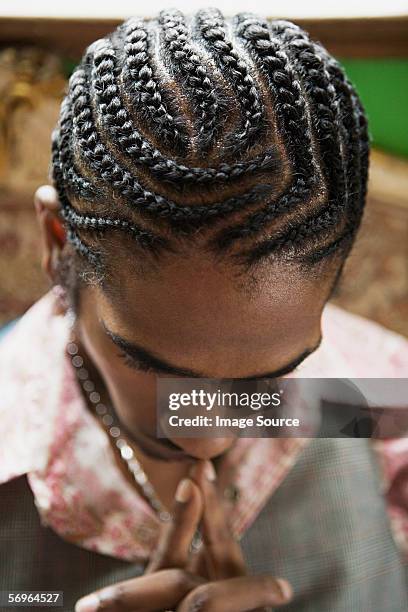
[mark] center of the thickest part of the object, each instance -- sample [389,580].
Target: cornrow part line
[355,139]
[114,115]
[88,221]
[342,242]
[211,27]
[186,60]
[100,161]
[58,141]
[79,186]
[365,152]
[144,88]
[356,128]
[310,231]
[325,108]
[82,248]
[57,175]
[292,117]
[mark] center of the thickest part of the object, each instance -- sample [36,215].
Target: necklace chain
[111,425]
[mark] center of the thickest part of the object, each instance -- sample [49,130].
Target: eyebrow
[149,359]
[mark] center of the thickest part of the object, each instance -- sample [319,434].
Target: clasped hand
[214,579]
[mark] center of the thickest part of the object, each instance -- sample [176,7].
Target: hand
[229,589]
[166,581]
[171,581]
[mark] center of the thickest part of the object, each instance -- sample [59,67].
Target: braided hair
[241,131]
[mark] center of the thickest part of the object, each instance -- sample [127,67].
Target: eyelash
[131,362]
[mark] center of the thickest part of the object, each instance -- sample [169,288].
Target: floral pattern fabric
[48,433]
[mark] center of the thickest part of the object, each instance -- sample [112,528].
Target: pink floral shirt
[48,433]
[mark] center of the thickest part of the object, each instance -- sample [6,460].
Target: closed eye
[138,365]
[141,359]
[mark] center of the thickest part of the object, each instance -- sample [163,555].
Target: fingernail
[210,471]
[194,469]
[184,490]
[107,594]
[285,588]
[90,603]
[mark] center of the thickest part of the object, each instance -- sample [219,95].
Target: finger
[160,591]
[198,564]
[174,546]
[224,554]
[239,594]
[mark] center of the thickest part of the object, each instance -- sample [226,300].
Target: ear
[47,208]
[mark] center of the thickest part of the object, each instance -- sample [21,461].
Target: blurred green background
[383,87]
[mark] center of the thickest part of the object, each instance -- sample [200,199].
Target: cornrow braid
[74,219]
[334,143]
[139,150]
[155,94]
[187,62]
[296,235]
[323,100]
[63,160]
[93,258]
[88,221]
[85,221]
[101,161]
[356,140]
[350,130]
[60,149]
[322,95]
[352,126]
[211,25]
[293,122]
[62,154]
[144,88]
[365,153]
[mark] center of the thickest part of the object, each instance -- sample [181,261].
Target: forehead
[196,309]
